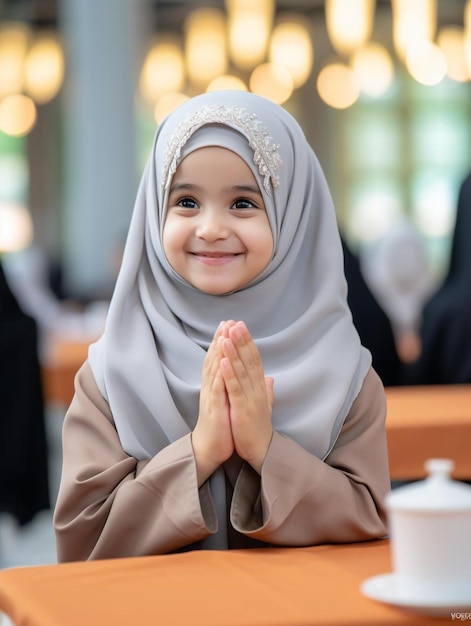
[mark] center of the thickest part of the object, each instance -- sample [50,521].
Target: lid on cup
[437,493]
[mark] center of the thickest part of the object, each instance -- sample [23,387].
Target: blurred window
[406,153]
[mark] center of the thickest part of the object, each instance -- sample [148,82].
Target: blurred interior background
[382,89]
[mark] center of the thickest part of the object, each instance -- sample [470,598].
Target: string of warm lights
[241,47]
[246,46]
[31,74]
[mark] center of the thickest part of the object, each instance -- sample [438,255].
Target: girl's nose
[211,226]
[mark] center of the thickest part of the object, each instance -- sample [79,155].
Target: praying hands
[235,403]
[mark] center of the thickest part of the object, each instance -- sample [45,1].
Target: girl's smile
[215,258]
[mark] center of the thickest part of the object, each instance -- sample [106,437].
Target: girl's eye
[243,203]
[186,203]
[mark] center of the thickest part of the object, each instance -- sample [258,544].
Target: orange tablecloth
[59,367]
[267,587]
[425,422]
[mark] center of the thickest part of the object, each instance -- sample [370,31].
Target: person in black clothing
[446,327]
[371,322]
[24,485]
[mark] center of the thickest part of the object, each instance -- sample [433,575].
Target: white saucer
[384,588]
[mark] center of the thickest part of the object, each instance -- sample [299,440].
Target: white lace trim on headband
[266,152]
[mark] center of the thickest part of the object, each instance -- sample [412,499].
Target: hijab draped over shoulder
[149,360]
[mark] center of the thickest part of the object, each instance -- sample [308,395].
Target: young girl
[229,403]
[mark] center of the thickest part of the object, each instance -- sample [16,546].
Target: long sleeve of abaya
[300,500]
[111,505]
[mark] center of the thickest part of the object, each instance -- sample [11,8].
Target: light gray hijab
[148,362]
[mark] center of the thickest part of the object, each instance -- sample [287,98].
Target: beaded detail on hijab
[266,152]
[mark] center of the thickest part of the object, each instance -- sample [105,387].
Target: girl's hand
[249,395]
[212,437]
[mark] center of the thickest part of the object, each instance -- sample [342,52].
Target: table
[425,422]
[263,587]
[59,366]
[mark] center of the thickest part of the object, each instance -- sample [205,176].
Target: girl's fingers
[269,384]
[226,328]
[213,355]
[249,394]
[232,382]
[245,344]
[245,358]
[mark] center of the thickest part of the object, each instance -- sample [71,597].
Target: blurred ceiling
[169,14]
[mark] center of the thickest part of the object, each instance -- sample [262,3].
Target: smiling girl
[229,402]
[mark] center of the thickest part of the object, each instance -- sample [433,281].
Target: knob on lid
[437,493]
[439,467]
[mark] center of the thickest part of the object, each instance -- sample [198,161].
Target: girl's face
[216,233]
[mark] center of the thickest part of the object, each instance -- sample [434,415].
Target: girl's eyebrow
[247,188]
[183,186]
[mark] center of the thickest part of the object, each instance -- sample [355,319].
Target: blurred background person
[371,322]
[27,272]
[30,275]
[24,488]
[398,272]
[446,325]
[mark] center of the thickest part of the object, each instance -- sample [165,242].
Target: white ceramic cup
[430,530]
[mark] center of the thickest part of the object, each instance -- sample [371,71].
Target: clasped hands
[236,402]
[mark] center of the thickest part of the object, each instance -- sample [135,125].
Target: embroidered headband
[266,152]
